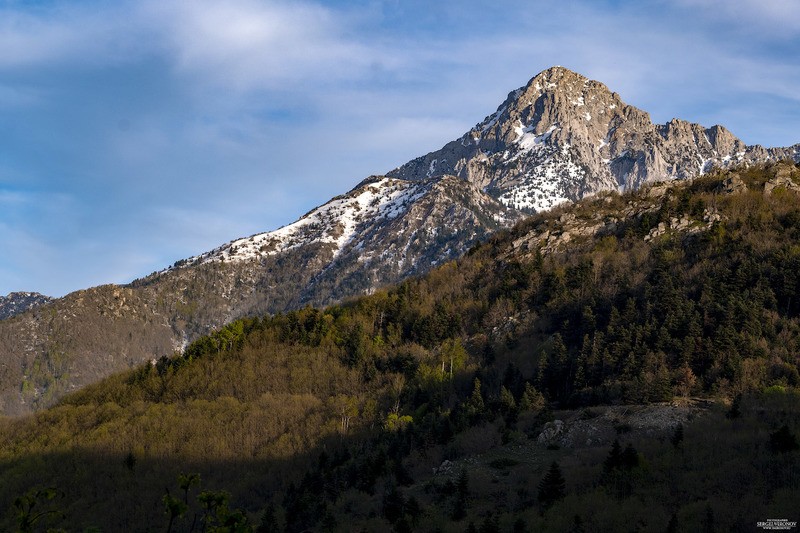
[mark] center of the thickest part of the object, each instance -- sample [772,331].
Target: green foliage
[477,353]
[35,507]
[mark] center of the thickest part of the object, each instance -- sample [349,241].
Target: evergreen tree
[614,459]
[491,524]
[672,526]
[629,458]
[474,406]
[462,496]
[677,436]
[552,487]
[269,521]
[532,400]
[507,402]
[577,525]
[783,440]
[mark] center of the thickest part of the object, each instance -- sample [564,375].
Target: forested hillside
[341,419]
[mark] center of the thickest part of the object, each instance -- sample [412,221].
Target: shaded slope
[673,291]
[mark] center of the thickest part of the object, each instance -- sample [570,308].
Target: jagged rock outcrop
[19,302]
[563,136]
[786,177]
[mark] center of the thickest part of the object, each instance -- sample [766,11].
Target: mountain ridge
[544,146]
[18,302]
[580,138]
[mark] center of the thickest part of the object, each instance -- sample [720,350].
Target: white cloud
[243,44]
[70,33]
[781,18]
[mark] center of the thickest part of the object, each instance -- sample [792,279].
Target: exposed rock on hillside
[19,302]
[563,136]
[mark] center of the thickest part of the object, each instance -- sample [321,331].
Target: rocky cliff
[564,136]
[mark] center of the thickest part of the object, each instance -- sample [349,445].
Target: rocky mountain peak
[563,136]
[556,106]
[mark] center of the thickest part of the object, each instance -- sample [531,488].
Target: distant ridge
[19,302]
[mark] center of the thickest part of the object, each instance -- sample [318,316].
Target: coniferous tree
[490,524]
[577,525]
[629,458]
[783,440]
[474,406]
[677,436]
[269,521]
[532,400]
[552,487]
[672,525]
[614,459]
[462,496]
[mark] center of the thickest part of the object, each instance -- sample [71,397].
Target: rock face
[559,138]
[563,136]
[785,178]
[382,231]
[19,302]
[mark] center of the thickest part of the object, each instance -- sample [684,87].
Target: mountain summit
[563,136]
[559,138]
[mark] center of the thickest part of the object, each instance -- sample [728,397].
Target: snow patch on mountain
[527,139]
[546,184]
[334,223]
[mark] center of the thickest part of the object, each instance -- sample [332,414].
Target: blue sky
[137,133]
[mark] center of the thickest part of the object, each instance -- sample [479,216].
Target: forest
[422,407]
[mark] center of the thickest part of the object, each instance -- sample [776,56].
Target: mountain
[382,231]
[19,302]
[559,138]
[639,342]
[564,136]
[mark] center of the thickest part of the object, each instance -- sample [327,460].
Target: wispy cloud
[245,45]
[77,33]
[781,18]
